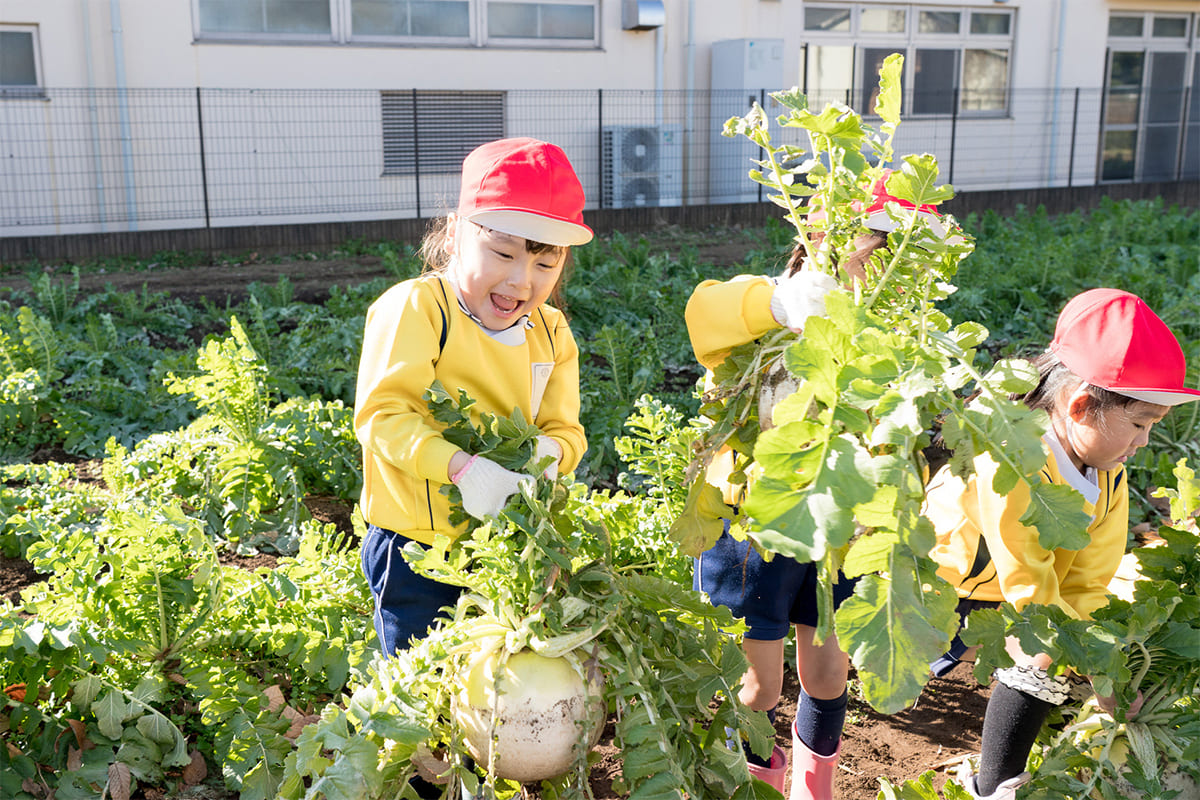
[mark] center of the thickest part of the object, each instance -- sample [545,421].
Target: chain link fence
[88,160]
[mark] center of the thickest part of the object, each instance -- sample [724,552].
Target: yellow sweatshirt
[721,315]
[405,458]
[988,555]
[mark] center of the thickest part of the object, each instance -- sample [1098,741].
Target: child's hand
[486,486]
[548,447]
[799,296]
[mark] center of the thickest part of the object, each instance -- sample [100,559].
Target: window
[416,138]
[19,60]
[952,54]
[469,23]
[1151,125]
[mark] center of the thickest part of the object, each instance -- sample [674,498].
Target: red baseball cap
[877,215]
[524,188]
[1113,340]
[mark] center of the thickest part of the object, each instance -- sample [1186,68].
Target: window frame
[1147,45]
[341,31]
[912,40]
[26,91]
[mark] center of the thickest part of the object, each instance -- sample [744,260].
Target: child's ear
[450,240]
[1079,403]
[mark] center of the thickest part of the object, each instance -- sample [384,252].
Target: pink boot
[774,774]
[812,775]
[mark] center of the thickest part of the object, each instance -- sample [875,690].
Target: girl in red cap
[477,320]
[1112,371]
[775,596]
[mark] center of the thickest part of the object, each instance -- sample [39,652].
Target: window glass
[987,23]
[882,20]
[1124,26]
[17,64]
[829,73]
[827,19]
[433,18]
[1160,145]
[540,21]
[568,22]
[985,80]
[1169,27]
[450,18]
[939,21]
[264,16]
[1124,88]
[1118,155]
[1164,98]
[934,74]
[512,20]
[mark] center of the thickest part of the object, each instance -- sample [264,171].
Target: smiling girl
[1111,372]
[477,320]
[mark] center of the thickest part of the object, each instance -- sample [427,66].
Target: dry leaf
[74,759]
[118,781]
[429,766]
[80,731]
[274,697]
[16,692]
[175,677]
[196,771]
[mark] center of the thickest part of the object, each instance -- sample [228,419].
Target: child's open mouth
[505,305]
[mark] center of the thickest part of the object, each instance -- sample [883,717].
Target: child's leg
[1010,727]
[406,603]
[762,683]
[821,709]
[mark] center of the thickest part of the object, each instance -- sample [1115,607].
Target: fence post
[762,102]
[600,141]
[1183,133]
[203,163]
[953,133]
[416,153]
[1074,133]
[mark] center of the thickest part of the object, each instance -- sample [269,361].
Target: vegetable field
[181,594]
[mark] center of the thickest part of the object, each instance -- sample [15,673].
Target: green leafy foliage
[542,576]
[839,477]
[1146,647]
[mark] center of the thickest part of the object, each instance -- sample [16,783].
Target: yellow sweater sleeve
[558,416]
[985,551]
[400,349]
[721,315]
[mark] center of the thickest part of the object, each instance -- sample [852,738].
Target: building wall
[134,159]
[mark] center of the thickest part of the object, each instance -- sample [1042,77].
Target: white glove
[548,447]
[486,486]
[799,296]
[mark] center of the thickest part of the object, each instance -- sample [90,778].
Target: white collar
[1087,483]
[513,335]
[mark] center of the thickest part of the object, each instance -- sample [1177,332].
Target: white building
[136,114]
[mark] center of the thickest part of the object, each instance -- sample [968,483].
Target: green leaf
[1056,511]
[700,524]
[111,711]
[891,644]
[887,102]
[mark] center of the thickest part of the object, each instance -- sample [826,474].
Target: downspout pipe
[660,43]
[123,114]
[689,111]
[97,162]
[1056,91]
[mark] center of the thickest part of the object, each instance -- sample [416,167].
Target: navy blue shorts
[406,603]
[770,595]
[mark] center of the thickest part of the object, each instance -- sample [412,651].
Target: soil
[943,726]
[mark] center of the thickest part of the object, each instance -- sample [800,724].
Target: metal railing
[86,160]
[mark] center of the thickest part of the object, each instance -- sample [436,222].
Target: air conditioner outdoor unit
[642,166]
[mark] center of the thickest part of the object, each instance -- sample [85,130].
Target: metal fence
[88,160]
